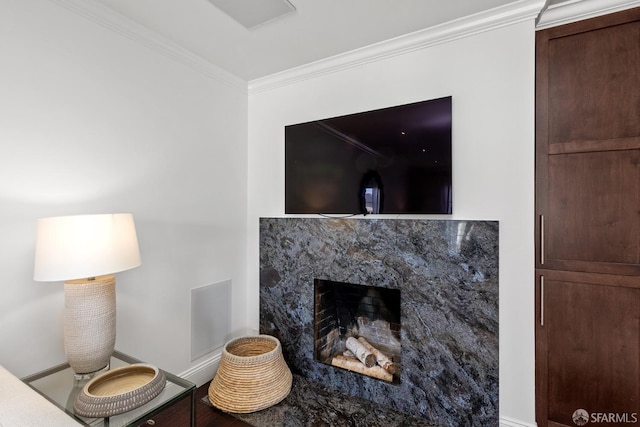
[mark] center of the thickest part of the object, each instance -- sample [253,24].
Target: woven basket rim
[250,340]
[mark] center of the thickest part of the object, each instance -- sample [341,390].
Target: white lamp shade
[81,246]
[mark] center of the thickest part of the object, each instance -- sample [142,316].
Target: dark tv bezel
[410,109]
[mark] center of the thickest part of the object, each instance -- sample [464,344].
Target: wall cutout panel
[210,318]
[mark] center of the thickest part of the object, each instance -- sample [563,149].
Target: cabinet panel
[589,328]
[595,96]
[179,413]
[593,213]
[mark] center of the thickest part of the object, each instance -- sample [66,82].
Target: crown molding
[502,16]
[577,10]
[116,22]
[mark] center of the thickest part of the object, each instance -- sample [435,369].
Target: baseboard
[510,422]
[203,372]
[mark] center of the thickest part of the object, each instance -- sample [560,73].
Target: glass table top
[60,385]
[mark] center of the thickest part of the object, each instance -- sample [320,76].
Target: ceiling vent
[252,13]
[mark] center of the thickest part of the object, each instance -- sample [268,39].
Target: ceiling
[317,29]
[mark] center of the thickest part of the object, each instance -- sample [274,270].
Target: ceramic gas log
[363,358]
[381,359]
[361,352]
[354,365]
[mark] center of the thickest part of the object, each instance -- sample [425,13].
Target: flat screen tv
[395,160]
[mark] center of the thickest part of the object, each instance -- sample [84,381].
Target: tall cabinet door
[588,348]
[588,145]
[588,228]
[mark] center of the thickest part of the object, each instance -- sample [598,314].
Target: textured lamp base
[90,323]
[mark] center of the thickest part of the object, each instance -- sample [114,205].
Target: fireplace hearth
[446,273]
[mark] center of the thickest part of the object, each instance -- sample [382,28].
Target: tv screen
[395,160]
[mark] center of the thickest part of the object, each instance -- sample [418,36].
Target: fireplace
[357,328]
[446,276]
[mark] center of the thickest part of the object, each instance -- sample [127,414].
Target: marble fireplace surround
[447,271]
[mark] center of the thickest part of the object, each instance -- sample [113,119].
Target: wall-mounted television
[394,160]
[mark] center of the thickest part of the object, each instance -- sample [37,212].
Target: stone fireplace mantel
[447,271]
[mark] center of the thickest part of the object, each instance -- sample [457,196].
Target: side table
[60,386]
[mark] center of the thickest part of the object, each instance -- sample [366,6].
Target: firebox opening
[357,327]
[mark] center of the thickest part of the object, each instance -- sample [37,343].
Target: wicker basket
[252,375]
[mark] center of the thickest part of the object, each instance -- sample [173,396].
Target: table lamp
[84,251]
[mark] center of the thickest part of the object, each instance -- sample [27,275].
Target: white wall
[93,122]
[491,78]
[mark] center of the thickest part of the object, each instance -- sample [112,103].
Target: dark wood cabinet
[588,145]
[588,229]
[588,345]
[179,413]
